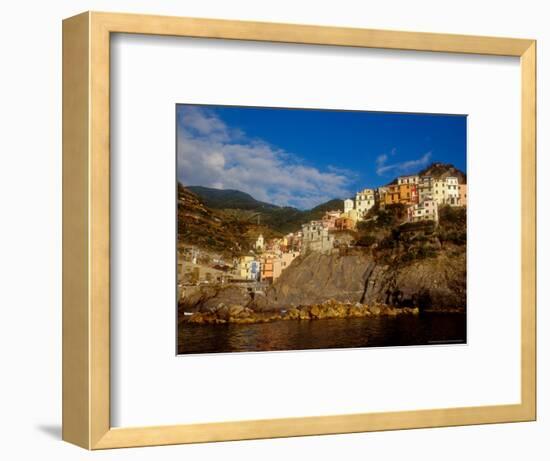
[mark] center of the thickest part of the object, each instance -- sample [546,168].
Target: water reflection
[323,334]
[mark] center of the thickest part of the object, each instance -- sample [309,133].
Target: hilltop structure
[421,194]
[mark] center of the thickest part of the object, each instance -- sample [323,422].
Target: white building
[446,191]
[364,201]
[426,210]
[425,188]
[439,191]
[414,179]
[316,237]
[348,205]
[260,244]
[453,191]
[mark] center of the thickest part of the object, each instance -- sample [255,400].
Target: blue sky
[301,157]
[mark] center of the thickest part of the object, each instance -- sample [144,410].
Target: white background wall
[30,232]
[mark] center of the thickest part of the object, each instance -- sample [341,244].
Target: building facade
[329,219]
[453,194]
[248,268]
[462,194]
[348,205]
[345,223]
[425,188]
[364,201]
[392,195]
[403,180]
[271,267]
[316,237]
[446,191]
[423,211]
[260,243]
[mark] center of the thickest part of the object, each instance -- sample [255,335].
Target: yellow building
[248,268]
[392,195]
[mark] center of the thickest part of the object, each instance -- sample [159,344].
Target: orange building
[345,223]
[408,193]
[392,194]
[462,194]
[270,267]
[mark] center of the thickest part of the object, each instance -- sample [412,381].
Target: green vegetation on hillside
[391,239]
[279,219]
[215,230]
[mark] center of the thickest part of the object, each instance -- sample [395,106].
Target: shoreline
[328,310]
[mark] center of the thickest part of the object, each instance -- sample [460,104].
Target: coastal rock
[212,298]
[235,310]
[328,310]
[375,310]
[429,284]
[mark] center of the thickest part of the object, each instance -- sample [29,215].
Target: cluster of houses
[421,195]
[270,258]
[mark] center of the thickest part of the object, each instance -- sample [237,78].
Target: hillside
[229,198]
[410,265]
[215,230]
[242,206]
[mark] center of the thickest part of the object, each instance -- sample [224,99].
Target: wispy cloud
[409,166]
[213,154]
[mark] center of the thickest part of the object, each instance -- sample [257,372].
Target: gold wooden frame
[86,397]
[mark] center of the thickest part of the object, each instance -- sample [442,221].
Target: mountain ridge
[279,218]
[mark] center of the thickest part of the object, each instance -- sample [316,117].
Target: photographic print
[312,229]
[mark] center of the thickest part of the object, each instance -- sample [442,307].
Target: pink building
[329,219]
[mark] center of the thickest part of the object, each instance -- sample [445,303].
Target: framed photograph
[276,230]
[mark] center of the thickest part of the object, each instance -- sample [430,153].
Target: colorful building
[345,223]
[248,268]
[463,194]
[408,193]
[294,241]
[329,219]
[351,214]
[271,267]
[392,195]
[423,211]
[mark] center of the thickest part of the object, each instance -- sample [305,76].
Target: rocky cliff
[436,283]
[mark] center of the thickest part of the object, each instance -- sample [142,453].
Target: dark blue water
[402,330]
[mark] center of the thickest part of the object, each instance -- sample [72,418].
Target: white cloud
[212,154]
[409,166]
